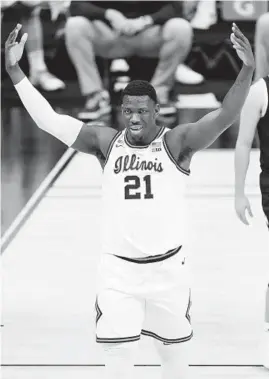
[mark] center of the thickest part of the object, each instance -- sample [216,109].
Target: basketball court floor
[49,278]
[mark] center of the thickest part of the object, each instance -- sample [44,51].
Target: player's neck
[145,139]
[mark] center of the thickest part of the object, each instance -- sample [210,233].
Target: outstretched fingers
[238,32]
[237,43]
[238,39]
[242,46]
[11,40]
[23,39]
[239,35]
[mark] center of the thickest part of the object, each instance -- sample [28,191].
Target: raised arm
[196,136]
[253,110]
[69,130]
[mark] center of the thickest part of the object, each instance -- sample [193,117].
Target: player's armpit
[204,132]
[175,142]
[189,138]
[201,134]
[93,138]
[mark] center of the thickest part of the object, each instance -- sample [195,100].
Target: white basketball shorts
[150,298]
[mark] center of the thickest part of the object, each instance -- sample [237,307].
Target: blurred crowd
[118,31]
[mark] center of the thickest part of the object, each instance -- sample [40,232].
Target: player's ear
[157,110]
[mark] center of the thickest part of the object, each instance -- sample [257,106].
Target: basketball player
[143,286]
[255,115]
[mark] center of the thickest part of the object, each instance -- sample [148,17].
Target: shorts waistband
[152,258]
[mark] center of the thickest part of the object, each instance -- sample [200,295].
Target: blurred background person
[201,14]
[29,10]
[262,46]
[254,116]
[126,29]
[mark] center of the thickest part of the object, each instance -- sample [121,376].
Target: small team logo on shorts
[156,146]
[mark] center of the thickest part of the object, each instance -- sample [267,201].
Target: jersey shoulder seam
[110,147]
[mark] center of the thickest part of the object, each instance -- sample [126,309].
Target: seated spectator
[124,29]
[184,74]
[202,14]
[39,74]
[262,46]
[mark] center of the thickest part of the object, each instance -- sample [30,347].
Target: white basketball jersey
[144,206]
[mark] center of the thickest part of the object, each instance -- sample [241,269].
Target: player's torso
[263,132]
[143,199]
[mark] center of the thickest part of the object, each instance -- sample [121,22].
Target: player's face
[139,115]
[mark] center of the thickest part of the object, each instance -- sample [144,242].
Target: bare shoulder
[258,90]
[262,94]
[94,138]
[259,86]
[257,99]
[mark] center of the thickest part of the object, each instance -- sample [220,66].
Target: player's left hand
[242,205]
[242,46]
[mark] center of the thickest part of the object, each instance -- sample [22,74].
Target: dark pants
[264,185]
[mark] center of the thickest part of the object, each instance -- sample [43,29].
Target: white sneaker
[203,22]
[205,16]
[167,107]
[186,75]
[119,65]
[121,83]
[47,81]
[95,107]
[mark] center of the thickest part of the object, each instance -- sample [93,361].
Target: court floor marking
[135,365]
[36,198]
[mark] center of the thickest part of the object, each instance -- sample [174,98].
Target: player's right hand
[241,206]
[14,49]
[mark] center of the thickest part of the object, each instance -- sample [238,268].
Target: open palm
[13,49]
[242,46]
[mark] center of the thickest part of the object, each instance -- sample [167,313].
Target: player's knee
[179,30]
[76,27]
[178,353]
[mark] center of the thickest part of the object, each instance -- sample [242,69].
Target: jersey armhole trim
[181,169]
[111,145]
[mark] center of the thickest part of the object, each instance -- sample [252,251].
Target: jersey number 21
[134,189]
